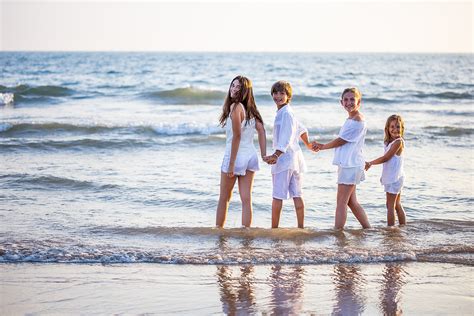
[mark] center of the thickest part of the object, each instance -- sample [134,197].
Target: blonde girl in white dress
[393,174]
[241,119]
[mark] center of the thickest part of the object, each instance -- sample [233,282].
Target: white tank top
[247,135]
[393,169]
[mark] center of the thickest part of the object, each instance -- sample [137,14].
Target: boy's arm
[304,135]
[287,129]
[387,156]
[283,140]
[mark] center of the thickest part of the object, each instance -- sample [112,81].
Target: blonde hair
[387,138]
[282,86]
[353,90]
[245,96]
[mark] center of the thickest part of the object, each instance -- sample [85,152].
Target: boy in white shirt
[287,161]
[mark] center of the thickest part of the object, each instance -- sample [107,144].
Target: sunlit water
[115,158]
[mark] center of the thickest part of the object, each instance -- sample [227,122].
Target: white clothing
[287,184]
[350,176]
[350,154]
[286,133]
[392,169]
[394,187]
[247,157]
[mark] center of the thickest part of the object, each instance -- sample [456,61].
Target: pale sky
[256,26]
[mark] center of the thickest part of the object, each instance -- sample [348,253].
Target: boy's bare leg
[299,208]
[245,190]
[276,212]
[227,185]
[402,219]
[357,210]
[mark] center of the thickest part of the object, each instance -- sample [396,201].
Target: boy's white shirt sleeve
[286,131]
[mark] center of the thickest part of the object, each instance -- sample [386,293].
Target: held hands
[367,165]
[315,146]
[271,160]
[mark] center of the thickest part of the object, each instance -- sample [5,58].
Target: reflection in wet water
[283,285]
[390,292]
[236,291]
[287,284]
[348,284]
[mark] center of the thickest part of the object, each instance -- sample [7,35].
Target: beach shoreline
[379,288]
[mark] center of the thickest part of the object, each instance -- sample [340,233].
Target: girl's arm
[304,137]
[262,138]
[396,146]
[237,118]
[333,144]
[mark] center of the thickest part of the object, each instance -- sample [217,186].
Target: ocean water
[115,158]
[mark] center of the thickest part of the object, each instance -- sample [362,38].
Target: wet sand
[409,288]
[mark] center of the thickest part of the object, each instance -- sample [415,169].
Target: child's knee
[299,202]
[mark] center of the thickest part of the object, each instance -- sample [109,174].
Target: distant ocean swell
[194,96]
[165,128]
[27,90]
[49,182]
[188,95]
[259,246]
[54,136]
[174,129]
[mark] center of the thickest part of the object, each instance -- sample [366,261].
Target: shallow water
[115,157]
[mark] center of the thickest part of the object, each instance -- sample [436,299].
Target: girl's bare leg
[245,190]
[344,192]
[299,208]
[391,200]
[358,210]
[276,212]
[227,185]
[402,220]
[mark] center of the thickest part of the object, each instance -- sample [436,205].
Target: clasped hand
[271,160]
[315,146]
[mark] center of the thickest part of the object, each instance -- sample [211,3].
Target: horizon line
[233,52]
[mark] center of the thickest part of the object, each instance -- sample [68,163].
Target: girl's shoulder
[359,117]
[236,106]
[352,123]
[400,142]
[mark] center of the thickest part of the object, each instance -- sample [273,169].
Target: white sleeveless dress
[393,174]
[247,157]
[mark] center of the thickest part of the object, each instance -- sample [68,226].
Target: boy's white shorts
[287,184]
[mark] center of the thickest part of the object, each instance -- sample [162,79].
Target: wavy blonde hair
[395,117]
[353,90]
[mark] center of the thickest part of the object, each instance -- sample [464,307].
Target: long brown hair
[245,96]
[387,138]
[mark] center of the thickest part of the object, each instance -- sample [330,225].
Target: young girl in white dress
[349,159]
[241,119]
[392,172]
